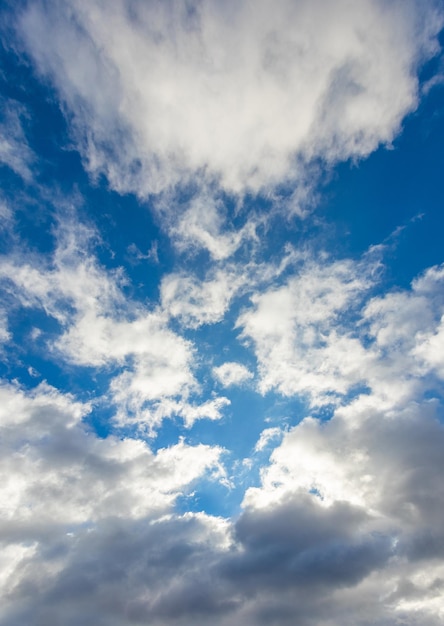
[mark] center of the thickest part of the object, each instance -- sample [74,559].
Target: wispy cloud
[101,329]
[15,152]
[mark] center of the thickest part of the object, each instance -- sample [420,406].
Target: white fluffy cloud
[196,302]
[235,91]
[267,436]
[204,224]
[61,474]
[232,373]
[411,322]
[61,485]
[317,335]
[100,328]
[294,330]
[207,104]
[349,509]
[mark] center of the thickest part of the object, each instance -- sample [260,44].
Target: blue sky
[221,326]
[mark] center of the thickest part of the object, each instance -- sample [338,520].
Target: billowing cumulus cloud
[61,474]
[360,527]
[295,329]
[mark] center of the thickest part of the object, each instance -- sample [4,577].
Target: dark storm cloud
[300,542]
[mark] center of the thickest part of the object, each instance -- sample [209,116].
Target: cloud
[196,298]
[206,105]
[152,366]
[68,498]
[60,474]
[319,334]
[407,326]
[354,538]
[295,332]
[131,392]
[378,472]
[267,436]
[205,224]
[123,572]
[15,152]
[348,509]
[196,302]
[235,93]
[4,333]
[232,373]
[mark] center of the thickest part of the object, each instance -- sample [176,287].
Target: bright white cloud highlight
[196,302]
[267,437]
[316,335]
[295,331]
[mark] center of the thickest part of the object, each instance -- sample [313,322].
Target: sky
[221,313]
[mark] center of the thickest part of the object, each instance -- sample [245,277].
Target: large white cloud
[349,510]
[60,483]
[238,92]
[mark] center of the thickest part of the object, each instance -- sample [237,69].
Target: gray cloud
[292,556]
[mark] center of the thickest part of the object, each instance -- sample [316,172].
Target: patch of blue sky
[130,238]
[393,197]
